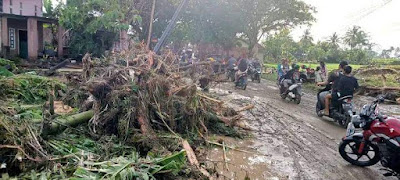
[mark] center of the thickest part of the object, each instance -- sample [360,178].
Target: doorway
[23,44]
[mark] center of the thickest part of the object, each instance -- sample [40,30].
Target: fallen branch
[192,65]
[248,107]
[211,99]
[236,149]
[52,70]
[58,125]
[23,152]
[226,163]
[192,158]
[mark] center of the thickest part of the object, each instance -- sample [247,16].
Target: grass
[377,81]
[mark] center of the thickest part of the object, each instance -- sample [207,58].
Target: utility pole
[151,25]
[169,27]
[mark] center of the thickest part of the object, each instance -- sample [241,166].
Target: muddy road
[289,140]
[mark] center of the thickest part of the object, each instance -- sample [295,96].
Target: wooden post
[151,24]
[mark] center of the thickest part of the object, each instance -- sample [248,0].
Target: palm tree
[334,40]
[356,38]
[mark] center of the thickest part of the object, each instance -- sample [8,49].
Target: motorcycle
[341,113]
[242,81]
[255,74]
[378,140]
[230,74]
[294,92]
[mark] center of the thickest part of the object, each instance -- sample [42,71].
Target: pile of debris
[132,100]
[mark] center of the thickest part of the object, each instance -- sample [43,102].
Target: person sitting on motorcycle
[242,68]
[291,77]
[256,63]
[348,83]
[231,63]
[283,69]
[332,84]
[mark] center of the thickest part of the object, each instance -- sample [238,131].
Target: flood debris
[110,121]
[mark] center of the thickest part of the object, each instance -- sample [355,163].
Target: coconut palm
[356,38]
[334,40]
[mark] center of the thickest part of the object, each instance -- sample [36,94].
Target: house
[243,47]
[21,29]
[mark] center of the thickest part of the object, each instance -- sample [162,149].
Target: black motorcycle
[255,74]
[230,74]
[242,81]
[340,111]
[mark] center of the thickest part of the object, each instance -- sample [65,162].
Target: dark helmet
[343,64]
[297,67]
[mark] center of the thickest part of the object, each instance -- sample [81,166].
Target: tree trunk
[59,125]
[151,25]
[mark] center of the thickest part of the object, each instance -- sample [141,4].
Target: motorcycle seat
[345,97]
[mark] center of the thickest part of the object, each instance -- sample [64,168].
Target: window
[35,8]
[10,2]
[10,10]
[11,33]
[20,5]
[20,12]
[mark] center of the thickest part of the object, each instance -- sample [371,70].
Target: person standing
[322,72]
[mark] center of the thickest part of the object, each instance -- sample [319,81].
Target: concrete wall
[27,9]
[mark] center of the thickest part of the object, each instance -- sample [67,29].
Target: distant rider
[283,68]
[242,68]
[231,63]
[291,77]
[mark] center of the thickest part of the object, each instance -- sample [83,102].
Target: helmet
[297,67]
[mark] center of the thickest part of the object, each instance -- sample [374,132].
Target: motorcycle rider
[332,84]
[291,77]
[283,69]
[348,83]
[242,66]
[231,63]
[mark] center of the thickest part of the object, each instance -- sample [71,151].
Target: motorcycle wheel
[349,152]
[283,96]
[318,109]
[298,99]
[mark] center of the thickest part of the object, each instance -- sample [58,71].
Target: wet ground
[289,141]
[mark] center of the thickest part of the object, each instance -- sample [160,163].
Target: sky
[379,18]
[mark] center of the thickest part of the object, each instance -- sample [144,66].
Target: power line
[364,13]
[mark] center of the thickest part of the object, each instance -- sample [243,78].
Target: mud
[289,141]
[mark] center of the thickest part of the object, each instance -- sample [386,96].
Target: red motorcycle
[372,137]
